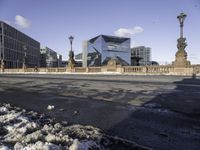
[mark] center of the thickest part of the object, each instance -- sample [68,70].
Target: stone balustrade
[94,69]
[80,69]
[159,69]
[133,69]
[141,70]
[147,69]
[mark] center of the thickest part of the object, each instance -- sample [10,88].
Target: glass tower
[102,48]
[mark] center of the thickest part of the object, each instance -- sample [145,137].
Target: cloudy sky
[151,23]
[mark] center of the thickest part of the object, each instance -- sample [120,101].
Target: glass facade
[141,54]
[102,48]
[14,44]
[48,58]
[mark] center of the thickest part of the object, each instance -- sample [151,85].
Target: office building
[99,50]
[48,57]
[140,56]
[59,59]
[79,60]
[14,45]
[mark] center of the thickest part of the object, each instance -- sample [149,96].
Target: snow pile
[22,130]
[51,107]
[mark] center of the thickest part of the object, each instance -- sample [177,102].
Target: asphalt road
[160,112]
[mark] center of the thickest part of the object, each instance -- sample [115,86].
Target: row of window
[16,64]
[19,47]
[12,32]
[12,64]
[16,56]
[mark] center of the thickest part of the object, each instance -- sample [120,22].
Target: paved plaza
[160,112]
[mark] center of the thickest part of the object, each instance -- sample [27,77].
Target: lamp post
[181,41]
[71,38]
[181,54]
[71,61]
[181,19]
[71,53]
[25,58]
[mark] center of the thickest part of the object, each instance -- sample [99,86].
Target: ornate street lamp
[71,61]
[71,38]
[181,19]
[25,57]
[71,53]
[181,41]
[181,54]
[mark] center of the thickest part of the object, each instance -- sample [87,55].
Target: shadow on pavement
[168,121]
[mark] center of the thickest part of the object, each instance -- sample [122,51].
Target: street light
[25,59]
[181,19]
[71,61]
[71,53]
[181,54]
[71,38]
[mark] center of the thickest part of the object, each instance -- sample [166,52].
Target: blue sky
[151,23]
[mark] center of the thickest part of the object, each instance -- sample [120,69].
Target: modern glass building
[141,56]
[48,58]
[13,46]
[99,50]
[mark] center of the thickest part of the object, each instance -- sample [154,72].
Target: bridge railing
[159,69]
[94,69]
[165,69]
[147,69]
[79,69]
[133,69]
[14,70]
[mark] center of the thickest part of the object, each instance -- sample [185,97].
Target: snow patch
[23,130]
[50,107]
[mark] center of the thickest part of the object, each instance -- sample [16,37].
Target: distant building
[78,57]
[79,60]
[140,56]
[99,50]
[13,46]
[59,60]
[48,57]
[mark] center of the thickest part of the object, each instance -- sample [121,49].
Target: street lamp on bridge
[181,19]
[181,54]
[71,61]
[25,57]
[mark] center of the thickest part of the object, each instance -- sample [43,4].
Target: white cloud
[22,22]
[127,32]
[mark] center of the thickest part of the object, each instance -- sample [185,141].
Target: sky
[150,23]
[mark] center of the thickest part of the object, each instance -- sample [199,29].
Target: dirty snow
[23,130]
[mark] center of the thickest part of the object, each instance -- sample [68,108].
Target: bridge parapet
[137,70]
